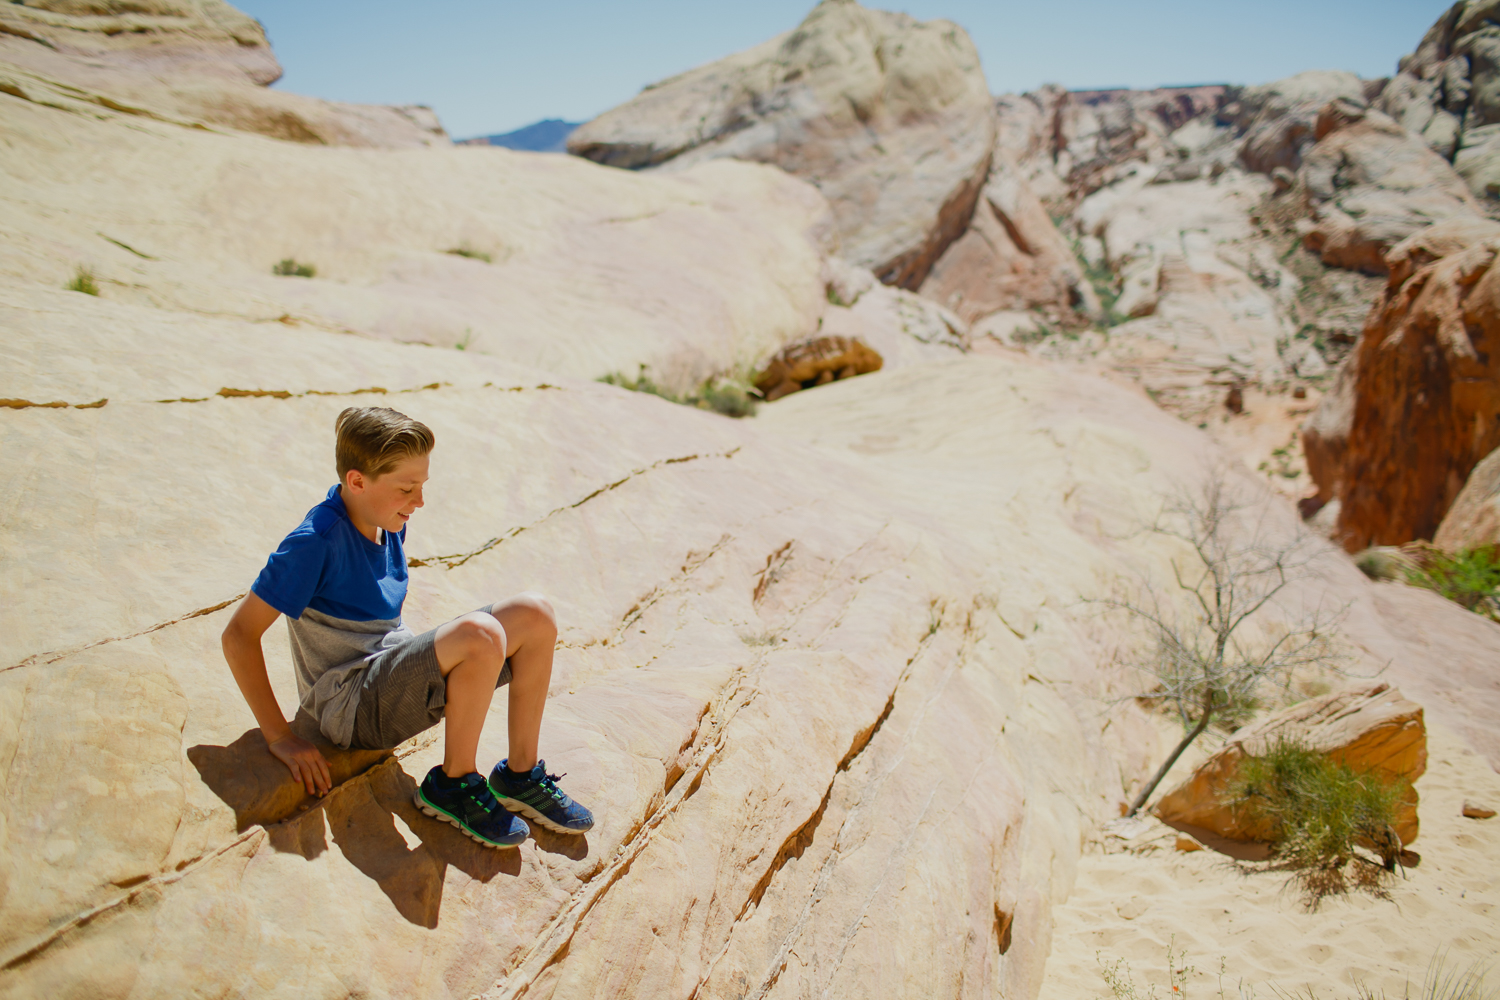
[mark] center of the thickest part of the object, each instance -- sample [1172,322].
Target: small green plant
[471,253]
[1281,461]
[466,340]
[1318,810]
[724,395]
[1470,578]
[289,268]
[83,281]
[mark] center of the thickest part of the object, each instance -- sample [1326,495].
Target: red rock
[1416,410]
[1369,728]
[816,362]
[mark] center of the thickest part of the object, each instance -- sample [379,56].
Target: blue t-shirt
[327,565]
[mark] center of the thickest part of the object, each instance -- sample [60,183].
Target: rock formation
[1370,728]
[1474,519]
[889,117]
[1279,120]
[820,676]
[1370,184]
[187,61]
[1448,92]
[1415,413]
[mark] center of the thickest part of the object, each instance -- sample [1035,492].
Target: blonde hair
[375,439]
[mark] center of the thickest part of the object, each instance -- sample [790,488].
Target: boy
[340,578]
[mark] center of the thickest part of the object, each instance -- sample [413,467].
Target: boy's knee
[482,635]
[538,608]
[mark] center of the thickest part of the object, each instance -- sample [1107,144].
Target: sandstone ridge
[190,62]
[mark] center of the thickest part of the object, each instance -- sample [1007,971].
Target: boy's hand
[305,762]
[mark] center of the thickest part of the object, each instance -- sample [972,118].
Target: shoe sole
[436,813]
[537,817]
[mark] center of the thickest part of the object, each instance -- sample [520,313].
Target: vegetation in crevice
[289,268]
[729,395]
[1470,578]
[467,251]
[83,281]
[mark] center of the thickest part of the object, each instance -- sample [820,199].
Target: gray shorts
[402,692]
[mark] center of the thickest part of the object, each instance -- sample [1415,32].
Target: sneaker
[536,796]
[468,804]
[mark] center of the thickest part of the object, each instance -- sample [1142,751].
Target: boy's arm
[241,641]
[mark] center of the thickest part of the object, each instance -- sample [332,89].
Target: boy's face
[388,501]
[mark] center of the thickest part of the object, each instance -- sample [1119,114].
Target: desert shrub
[1470,578]
[471,253]
[1205,669]
[289,268]
[730,397]
[83,281]
[1319,809]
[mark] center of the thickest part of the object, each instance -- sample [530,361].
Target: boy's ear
[355,481]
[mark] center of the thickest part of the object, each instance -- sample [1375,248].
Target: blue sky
[490,66]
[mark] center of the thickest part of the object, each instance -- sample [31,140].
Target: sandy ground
[1133,899]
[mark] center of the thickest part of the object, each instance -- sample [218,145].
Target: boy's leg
[471,651]
[531,625]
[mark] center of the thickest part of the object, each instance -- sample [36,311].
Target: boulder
[1448,93]
[1424,383]
[1474,519]
[815,362]
[1370,184]
[1370,728]
[192,62]
[889,117]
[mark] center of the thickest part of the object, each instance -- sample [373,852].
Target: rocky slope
[824,674]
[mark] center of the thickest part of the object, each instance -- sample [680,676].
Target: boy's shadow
[361,818]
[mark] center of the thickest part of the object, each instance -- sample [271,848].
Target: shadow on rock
[258,787]
[361,818]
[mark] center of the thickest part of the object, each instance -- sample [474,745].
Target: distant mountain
[550,136]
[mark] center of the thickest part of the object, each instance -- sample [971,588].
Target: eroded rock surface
[1370,728]
[889,117]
